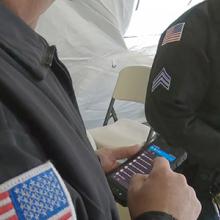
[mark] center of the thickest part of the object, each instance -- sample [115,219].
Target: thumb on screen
[160,163]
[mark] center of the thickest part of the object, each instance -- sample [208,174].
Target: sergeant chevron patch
[38,194]
[162,79]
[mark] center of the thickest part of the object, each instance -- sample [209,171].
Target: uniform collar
[25,45]
[214,8]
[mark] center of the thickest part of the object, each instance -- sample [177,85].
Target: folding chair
[131,86]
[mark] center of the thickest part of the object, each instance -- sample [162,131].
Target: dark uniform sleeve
[179,85]
[18,152]
[155,216]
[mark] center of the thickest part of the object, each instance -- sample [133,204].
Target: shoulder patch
[162,79]
[173,34]
[37,194]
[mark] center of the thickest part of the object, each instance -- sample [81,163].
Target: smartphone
[142,163]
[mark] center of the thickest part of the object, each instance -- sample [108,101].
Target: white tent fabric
[152,18]
[89,38]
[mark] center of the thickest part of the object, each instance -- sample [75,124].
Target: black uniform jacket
[40,121]
[183,97]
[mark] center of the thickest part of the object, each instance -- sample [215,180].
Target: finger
[193,194]
[197,205]
[137,181]
[160,163]
[125,152]
[181,178]
[198,208]
[115,165]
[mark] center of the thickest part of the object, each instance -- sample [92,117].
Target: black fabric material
[155,216]
[188,114]
[40,121]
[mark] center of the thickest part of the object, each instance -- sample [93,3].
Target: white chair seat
[122,133]
[91,140]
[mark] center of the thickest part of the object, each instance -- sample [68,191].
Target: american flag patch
[38,194]
[173,34]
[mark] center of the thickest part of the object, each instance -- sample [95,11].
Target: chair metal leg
[110,113]
[114,115]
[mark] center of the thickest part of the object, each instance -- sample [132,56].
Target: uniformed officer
[182,102]
[48,169]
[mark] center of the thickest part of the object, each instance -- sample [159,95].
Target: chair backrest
[132,84]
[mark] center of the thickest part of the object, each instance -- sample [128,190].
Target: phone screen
[142,164]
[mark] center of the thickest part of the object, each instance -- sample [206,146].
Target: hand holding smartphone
[142,163]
